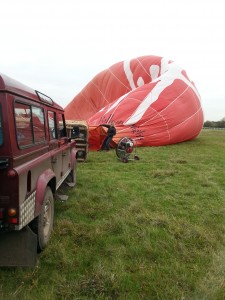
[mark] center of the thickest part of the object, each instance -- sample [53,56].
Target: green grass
[147,229]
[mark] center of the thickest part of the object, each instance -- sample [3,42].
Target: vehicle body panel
[32,154]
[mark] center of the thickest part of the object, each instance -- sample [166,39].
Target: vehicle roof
[13,86]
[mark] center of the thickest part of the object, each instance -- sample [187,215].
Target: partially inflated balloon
[150,100]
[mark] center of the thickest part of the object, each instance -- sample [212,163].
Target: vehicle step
[61,197]
[70,184]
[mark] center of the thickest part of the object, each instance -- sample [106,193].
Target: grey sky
[57,46]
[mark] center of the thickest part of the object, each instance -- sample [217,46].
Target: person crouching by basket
[110,134]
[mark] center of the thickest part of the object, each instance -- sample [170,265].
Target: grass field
[147,229]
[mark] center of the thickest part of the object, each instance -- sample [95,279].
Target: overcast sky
[57,47]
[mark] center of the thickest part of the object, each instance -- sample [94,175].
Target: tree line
[213,124]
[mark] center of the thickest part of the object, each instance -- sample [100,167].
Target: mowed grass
[147,229]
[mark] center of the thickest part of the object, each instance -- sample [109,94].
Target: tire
[43,224]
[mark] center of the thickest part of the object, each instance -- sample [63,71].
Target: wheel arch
[47,178]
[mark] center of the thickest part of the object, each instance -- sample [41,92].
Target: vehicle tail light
[11,173]
[12,218]
[12,212]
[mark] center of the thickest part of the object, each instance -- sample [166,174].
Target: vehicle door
[64,144]
[54,147]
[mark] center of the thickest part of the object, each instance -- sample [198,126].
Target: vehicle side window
[1,129]
[52,125]
[23,124]
[61,126]
[38,124]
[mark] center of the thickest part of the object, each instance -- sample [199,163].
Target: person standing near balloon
[110,134]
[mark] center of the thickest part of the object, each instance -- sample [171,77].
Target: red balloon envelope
[150,99]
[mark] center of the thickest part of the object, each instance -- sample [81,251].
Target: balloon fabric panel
[150,99]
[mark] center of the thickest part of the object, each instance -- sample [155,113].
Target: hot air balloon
[150,99]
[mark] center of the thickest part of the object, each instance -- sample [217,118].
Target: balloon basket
[125,150]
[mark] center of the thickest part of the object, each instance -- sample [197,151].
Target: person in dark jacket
[110,134]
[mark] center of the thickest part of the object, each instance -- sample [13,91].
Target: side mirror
[75,132]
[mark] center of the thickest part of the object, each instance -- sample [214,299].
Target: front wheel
[43,224]
[72,178]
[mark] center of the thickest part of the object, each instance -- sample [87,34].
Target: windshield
[1,130]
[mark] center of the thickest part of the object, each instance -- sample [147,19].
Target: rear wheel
[43,224]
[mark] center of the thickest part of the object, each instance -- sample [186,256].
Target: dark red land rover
[36,157]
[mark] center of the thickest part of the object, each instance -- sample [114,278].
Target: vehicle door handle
[4,163]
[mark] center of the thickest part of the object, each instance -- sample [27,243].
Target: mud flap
[18,248]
